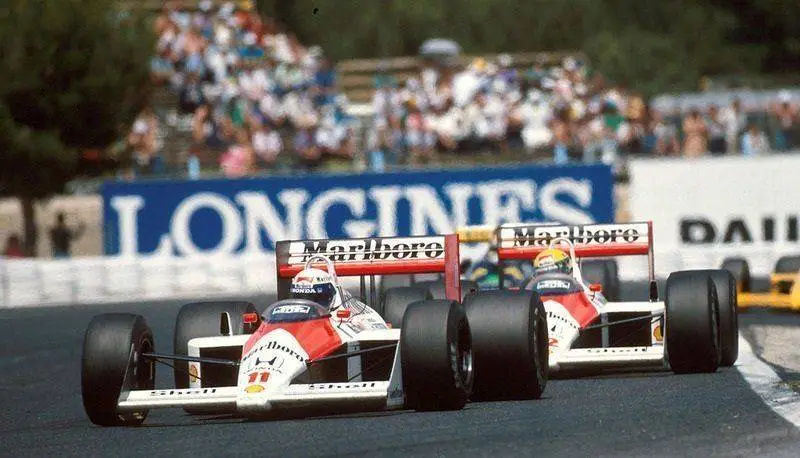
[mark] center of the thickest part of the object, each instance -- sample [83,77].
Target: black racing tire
[202,319]
[741,272]
[108,367]
[437,359]
[395,301]
[725,285]
[510,340]
[691,332]
[787,265]
[604,272]
[437,289]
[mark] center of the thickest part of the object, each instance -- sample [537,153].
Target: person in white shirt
[267,144]
[735,120]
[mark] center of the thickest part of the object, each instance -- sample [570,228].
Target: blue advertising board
[224,216]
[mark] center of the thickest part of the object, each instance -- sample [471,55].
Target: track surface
[631,415]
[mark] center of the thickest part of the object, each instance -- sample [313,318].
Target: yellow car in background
[784,287]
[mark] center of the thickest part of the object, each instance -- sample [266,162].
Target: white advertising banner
[704,210]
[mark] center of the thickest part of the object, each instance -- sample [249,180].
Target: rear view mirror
[596,288]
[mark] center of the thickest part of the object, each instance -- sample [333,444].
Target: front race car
[296,354]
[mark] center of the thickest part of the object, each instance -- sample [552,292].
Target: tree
[74,76]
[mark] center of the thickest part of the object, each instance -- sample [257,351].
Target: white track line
[767,384]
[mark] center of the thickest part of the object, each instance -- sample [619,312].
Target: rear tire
[725,285]
[510,340]
[436,352]
[202,319]
[691,321]
[395,301]
[741,273]
[111,363]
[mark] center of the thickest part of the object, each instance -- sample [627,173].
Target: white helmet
[317,285]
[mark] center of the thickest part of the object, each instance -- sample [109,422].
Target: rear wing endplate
[374,256]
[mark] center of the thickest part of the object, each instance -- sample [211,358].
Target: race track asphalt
[656,414]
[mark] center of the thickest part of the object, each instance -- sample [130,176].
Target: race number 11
[263,376]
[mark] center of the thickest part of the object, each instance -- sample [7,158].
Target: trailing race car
[483,266]
[784,289]
[694,329]
[320,348]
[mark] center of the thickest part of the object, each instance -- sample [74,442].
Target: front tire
[691,323]
[112,363]
[437,358]
[509,334]
[725,286]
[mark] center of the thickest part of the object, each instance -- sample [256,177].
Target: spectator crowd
[244,86]
[255,99]
[561,113]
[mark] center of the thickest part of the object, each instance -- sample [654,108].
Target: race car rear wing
[590,240]
[374,256]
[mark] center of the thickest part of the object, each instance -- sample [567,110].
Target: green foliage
[74,76]
[651,45]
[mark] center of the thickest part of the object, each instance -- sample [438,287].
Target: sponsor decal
[657,333]
[273,345]
[218,217]
[600,234]
[252,389]
[194,370]
[368,250]
[553,284]
[552,343]
[703,231]
[183,392]
[292,308]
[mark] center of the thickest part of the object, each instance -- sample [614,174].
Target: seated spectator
[754,141]
[191,95]
[267,145]
[420,139]
[237,161]
[212,132]
[307,153]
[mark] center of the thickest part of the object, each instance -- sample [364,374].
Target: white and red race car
[296,355]
[693,329]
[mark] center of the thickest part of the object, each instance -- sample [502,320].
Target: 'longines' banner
[249,215]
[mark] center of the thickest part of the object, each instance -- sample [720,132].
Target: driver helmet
[552,260]
[315,285]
